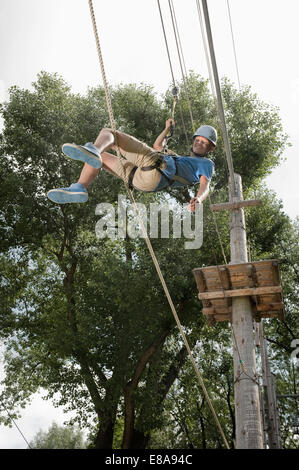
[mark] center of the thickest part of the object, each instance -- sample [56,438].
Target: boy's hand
[193,202]
[169,123]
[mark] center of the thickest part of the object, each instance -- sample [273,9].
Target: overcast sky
[57,36]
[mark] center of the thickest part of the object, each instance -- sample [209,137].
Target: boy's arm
[158,145]
[202,193]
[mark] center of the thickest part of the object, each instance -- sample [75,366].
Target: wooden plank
[205,270]
[271,306]
[205,282]
[213,284]
[260,310]
[275,272]
[222,318]
[240,292]
[263,268]
[260,271]
[260,263]
[252,275]
[217,311]
[270,298]
[201,286]
[225,277]
[235,205]
[212,319]
[200,280]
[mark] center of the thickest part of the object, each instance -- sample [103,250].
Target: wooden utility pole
[242,292]
[247,403]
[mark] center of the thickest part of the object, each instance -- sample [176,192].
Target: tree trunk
[139,440]
[131,386]
[129,417]
[104,439]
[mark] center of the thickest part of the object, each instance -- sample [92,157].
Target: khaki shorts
[138,154]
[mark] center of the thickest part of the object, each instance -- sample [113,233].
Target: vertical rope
[171,70]
[181,57]
[218,233]
[166,43]
[149,245]
[107,94]
[234,44]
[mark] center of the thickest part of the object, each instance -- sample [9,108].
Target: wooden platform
[260,280]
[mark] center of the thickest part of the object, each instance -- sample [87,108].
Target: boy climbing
[143,167]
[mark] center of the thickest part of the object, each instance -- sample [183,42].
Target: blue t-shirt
[189,168]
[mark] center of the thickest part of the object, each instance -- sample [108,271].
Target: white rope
[171,71]
[234,44]
[181,58]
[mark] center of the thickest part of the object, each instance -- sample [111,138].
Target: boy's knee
[106,130]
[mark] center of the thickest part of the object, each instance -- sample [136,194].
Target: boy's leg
[89,154]
[105,141]
[135,152]
[88,173]
[131,149]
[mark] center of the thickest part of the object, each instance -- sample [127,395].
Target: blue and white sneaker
[87,153]
[75,193]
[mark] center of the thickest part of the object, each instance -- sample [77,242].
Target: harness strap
[176,177]
[156,166]
[131,176]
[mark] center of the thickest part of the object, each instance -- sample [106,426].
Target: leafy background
[85,319]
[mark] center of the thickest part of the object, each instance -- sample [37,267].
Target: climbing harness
[157,166]
[174,178]
[149,245]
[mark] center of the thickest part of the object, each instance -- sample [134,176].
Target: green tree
[85,318]
[58,437]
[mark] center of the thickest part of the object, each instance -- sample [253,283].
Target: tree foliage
[85,318]
[58,437]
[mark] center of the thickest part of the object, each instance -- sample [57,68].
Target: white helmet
[208,132]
